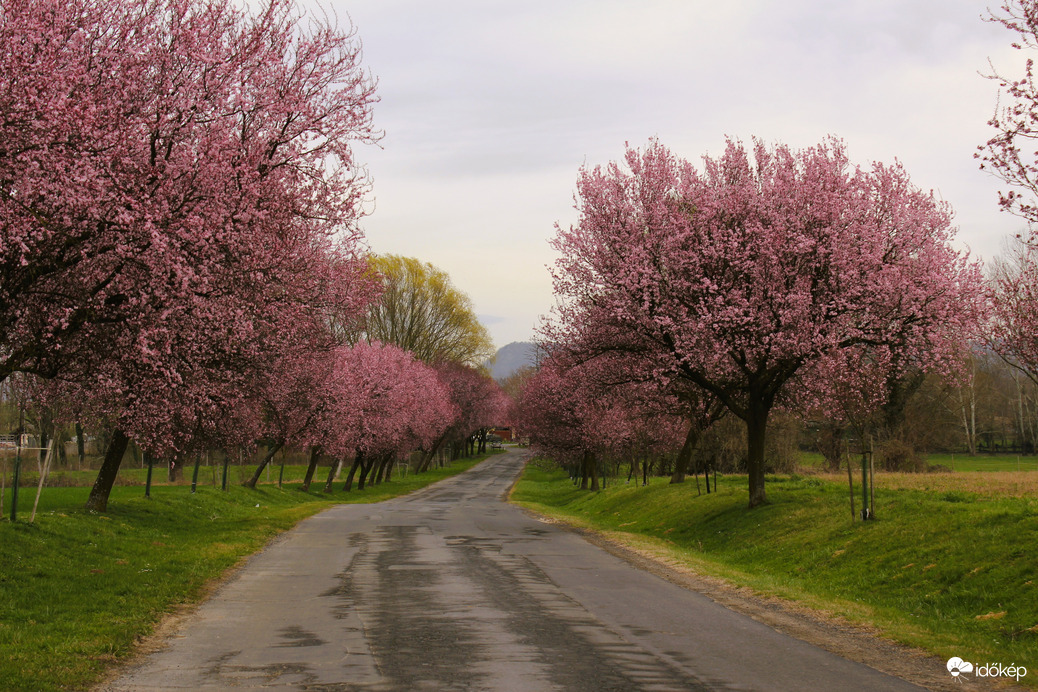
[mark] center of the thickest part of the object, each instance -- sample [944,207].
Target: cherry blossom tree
[621,364]
[292,400]
[155,151]
[573,414]
[558,421]
[294,392]
[480,402]
[747,273]
[384,403]
[1011,153]
[1013,332]
[169,172]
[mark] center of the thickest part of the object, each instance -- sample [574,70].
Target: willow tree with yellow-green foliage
[422,312]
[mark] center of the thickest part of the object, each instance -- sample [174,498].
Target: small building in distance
[504,433]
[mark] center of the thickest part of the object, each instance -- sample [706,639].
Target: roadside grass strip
[78,590]
[944,569]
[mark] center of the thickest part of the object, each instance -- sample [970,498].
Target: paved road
[453,589]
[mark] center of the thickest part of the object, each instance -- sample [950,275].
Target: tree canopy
[421,311]
[747,277]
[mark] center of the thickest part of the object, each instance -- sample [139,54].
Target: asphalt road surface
[453,589]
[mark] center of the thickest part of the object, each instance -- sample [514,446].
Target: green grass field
[78,589]
[944,568]
[985,462]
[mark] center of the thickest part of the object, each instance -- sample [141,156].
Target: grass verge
[77,590]
[948,571]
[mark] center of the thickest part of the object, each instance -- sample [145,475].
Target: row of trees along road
[780,279]
[182,263]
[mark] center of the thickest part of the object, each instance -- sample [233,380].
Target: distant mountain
[516,355]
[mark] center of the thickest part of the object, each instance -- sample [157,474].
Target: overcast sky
[490,108]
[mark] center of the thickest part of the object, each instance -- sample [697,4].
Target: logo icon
[956,666]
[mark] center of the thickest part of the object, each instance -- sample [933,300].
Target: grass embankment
[949,565]
[78,589]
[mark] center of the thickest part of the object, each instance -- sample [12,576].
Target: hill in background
[516,355]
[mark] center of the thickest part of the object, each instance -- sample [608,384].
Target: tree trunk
[251,483]
[315,456]
[336,462]
[592,467]
[42,452]
[365,469]
[353,470]
[98,499]
[151,465]
[850,483]
[424,461]
[59,448]
[173,467]
[381,469]
[80,444]
[968,406]
[685,455]
[756,427]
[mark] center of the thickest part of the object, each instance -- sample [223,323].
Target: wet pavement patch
[297,636]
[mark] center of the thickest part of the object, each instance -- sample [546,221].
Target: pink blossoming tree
[480,403]
[558,420]
[172,175]
[574,414]
[1013,331]
[384,403]
[748,273]
[1010,153]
